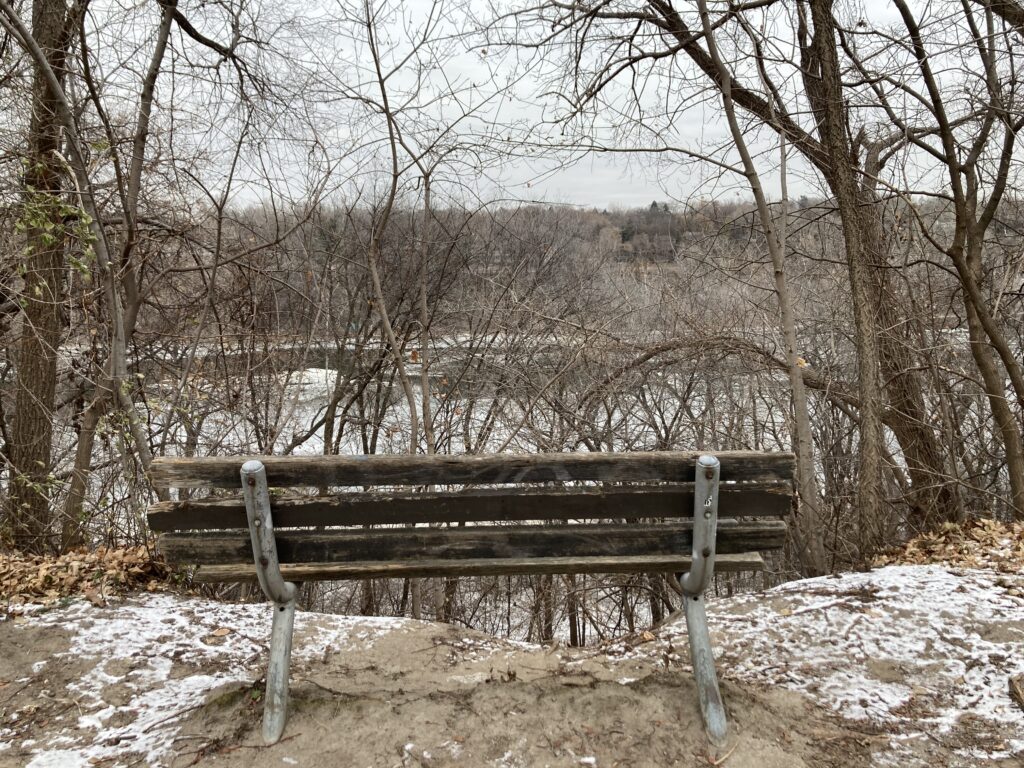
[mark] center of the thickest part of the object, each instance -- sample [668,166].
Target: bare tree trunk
[125,274]
[373,252]
[447,613]
[626,606]
[824,87]
[995,390]
[48,57]
[73,522]
[809,532]
[654,598]
[416,594]
[367,602]
[572,610]
[932,496]
[547,609]
[31,435]
[972,221]
[809,524]
[372,261]
[424,311]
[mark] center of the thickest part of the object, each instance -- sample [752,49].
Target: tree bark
[73,521]
[824,86]
[932,496]
[808,530]
[30,512]
[995,388]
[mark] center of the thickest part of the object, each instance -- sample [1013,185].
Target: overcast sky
[331,52]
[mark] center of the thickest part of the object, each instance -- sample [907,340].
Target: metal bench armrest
[705,526]
[261,530]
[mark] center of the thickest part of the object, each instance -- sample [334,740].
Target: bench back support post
[694,583]
[261,530]
[281,592]
[705,526]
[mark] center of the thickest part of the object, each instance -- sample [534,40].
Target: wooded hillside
[249,228]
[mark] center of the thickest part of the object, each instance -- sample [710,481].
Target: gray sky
[331,54]
[599,181]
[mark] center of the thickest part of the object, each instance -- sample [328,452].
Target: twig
[171,716]
[723,758]
[332,691]
[259,746]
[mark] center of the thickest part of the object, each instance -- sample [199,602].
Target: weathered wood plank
[210,574]
[476,542]
[326,471]
[490,504]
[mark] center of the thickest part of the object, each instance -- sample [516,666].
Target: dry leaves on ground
[975,544]
[1017,690]
[93,575]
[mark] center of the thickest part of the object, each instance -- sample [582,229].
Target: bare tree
[46,239]
[806,105]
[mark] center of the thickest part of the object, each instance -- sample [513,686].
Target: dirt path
[436,698]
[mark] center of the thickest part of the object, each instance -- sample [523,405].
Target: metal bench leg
[694,583]
[275,704]
[703,661]
[281,592]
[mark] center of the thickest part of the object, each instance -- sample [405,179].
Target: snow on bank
[134,645]
[922,652]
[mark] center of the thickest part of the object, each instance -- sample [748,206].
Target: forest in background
[238,229]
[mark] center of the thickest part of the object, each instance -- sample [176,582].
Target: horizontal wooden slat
[641,501]
[476,542]
[324,471]
[210,574]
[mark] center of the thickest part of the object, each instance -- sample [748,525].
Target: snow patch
[920,650]
[134,645]
[916,647]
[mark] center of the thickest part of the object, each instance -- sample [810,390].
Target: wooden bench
[613,513]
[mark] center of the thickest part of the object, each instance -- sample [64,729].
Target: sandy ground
[901,667]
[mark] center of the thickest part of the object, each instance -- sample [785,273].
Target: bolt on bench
[652,512]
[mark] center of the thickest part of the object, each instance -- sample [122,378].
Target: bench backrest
[613,512]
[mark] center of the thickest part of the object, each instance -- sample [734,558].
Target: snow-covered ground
[917,657]
[138,643]
[915,649]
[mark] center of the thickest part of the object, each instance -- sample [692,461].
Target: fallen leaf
[221,632]
[1017,690]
